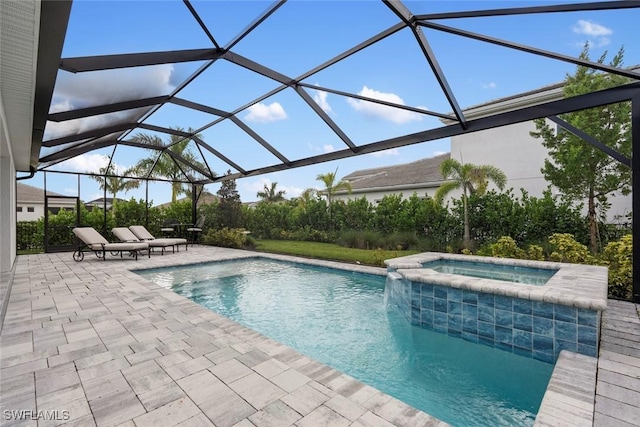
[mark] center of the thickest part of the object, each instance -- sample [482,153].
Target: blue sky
[297,37]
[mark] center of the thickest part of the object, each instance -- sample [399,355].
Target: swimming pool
[338,318]
[509,273]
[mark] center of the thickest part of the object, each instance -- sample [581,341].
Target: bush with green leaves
[226,237]
[618,256]
[566,249]
[505,247]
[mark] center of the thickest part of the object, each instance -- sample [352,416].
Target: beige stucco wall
[375,196]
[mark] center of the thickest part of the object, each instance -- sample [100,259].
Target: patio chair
[143,234]
[125,235]
[168,227]
[196,229]
[95,242]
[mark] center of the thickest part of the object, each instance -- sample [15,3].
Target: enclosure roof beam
[533,50]
[127,60]
[325,117]
[199,107]
[94,133]
[591,140]
[201,23]
[573,7]
[581,102]
[105,109]
[399,9]
[255,23]
[219,155]
[259,139]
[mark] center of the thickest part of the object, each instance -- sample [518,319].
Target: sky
[299,36]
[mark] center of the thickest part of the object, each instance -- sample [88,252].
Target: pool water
[510,273]
[339,318]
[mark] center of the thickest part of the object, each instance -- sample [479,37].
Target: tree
[472,179]
[270,195]
[114,184]
[165,166]
[331,187]
[579,170]
[229,205]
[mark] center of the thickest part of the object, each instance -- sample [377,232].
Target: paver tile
[111,383]
[290,380]
[189,367]
[168,415]
[202,386]
[116,409]
[323,416]
[230,371]
[226,409]
[276,414]
[257,390]
[146,376]
[161,396]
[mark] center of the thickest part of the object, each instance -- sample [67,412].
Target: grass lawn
[329,251]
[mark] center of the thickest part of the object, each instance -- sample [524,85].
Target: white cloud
[598,33]
[490,85]
[258,185]
[321,99]
[590,28]
[438,153]
[87,163]
[328,148]
[380,111]
[263,113]
[383,153]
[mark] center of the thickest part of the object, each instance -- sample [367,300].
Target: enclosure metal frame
[53,26]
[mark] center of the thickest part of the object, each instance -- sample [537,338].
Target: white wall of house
[521,157]
[34,210]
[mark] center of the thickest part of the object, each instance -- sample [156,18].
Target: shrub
[361,239]
[505,247]
[566,249]
[618,256]
[535,252]
[399,241]
[227,238]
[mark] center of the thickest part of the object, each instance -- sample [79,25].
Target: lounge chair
[144,235]
[95,242]
[125,235]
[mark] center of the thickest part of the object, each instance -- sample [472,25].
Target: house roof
[29,193]
[205,199]
[100,201]
[423,173]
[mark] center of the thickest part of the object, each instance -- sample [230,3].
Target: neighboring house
[510,148]
[421,177]
[30,202]
[204,199]
[99,203]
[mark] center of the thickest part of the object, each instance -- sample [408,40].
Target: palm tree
[472,179]
[270,195]
[165,166]
[114,184]
[331,187]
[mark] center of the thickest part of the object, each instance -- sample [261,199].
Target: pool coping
[573,285]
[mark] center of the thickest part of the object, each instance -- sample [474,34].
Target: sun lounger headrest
[124,234]
[141,232]
[89,235]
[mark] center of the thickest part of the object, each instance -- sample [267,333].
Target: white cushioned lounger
[144,235]
[125,235]
[95,242]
